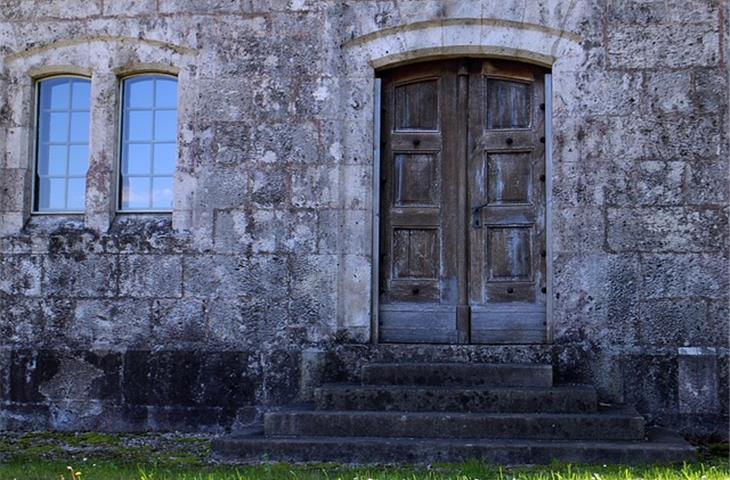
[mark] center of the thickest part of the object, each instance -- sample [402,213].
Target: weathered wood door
[462,210]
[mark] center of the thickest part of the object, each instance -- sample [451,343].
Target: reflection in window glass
[62,152]
[149,145]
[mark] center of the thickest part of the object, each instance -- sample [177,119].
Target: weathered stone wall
[205,318]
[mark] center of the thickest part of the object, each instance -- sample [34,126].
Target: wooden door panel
[417,301]
[506,191]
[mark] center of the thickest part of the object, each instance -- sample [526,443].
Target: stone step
[563,399]
[607,424]
[463,374]
[661,447]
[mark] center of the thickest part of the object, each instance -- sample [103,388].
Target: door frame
[375,221]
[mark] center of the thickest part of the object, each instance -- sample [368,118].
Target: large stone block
[665,229]
[708,182]
[150,276]
[189,378]
[661,46]
[313,303]
[650,381]
[20,275]
[178,323]
[678,322]
[35,322]
[111,323]
[685,275]
[80,276]
[237,322]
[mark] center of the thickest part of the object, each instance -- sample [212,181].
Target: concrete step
[563,399]
[611,424]
[661,447]
[463,374]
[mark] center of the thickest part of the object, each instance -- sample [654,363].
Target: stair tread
[603,412]
[656,438]
[446,388]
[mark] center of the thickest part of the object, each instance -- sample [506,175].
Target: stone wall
[198,320]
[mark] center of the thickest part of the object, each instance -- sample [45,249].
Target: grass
[48,455]
[468,471]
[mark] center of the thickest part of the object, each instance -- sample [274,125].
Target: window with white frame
[62,144]
[148,142]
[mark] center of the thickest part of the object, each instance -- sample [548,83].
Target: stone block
[150,276]
[697,386]
[178,323]
[197,6]
[646,183]
[678,322]
[650,381]
[670,92]
[80,276]
[665,229]
[710,89]
[63,9]
[313,302]
[35,322]
[189,378]
[130,7]
[656,12]
[664,46]
[578,230]
[222,188]
[237,322]
[269,187]
[684,275]
[596,296]
[315,186]
[20,274]
[29,370]
[708,182]
[111,323]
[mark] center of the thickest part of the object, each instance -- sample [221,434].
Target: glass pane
[137,160]
[138,92]
[55,94]
[78,159]
[136,193]
[165,158]
[81,94]
[138,126]
[52,160]
[162,193]
[76,193]
[79,127]
[53,194]
[166,93]
[58,127]
[165,125]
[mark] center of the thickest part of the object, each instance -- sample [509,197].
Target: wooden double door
[462,203]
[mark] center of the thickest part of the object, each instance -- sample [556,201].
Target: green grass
[468,471]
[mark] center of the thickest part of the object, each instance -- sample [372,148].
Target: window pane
[165,158]
[137,160]
[81,95]
[149,149]
[165,127]
[58,127]
[79,126]
[165,93]
[62,151]
[162,192]
[52,160]
[78,160]
[55,94]
[138,93]
[136,193]
[53,194]
[76,194]
[138,126]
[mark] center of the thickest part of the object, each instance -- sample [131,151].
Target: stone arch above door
[429,40]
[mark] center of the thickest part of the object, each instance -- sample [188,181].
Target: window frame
[35,147]
[119,144]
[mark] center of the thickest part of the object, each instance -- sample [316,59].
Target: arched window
[148,142]
[62,144]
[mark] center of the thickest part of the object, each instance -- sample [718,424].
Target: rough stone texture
[268,250]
